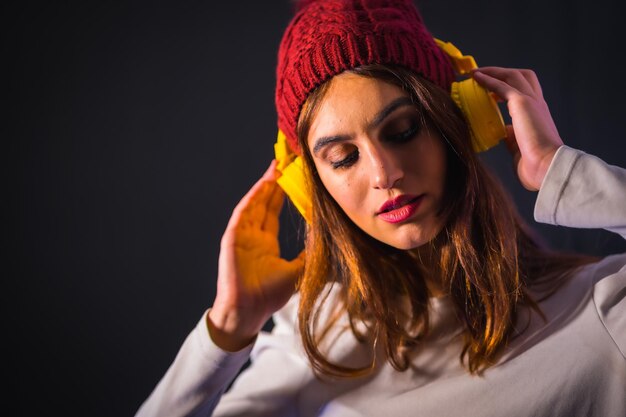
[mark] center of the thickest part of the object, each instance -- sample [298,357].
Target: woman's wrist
[228,330]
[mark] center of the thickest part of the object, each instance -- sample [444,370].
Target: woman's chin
[409,237]
[406,242]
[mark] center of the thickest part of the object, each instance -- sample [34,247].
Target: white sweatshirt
[573,365]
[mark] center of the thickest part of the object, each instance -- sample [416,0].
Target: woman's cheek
[342,191]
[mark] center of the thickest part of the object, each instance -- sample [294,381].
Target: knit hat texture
[327,37]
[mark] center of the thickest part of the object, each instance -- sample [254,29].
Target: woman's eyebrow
[390,108]
[323,141]
[378,119]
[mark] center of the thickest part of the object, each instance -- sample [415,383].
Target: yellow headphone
[478,106]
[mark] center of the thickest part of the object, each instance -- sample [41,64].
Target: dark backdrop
[132,129]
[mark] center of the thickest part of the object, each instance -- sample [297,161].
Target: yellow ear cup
[292,179]
[482,113]
[478,106]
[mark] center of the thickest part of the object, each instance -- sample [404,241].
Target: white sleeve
[279,371]
[194,383]
[581,190]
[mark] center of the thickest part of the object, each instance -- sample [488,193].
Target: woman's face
[376,159]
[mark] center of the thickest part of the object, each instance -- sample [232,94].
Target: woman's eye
[405,135]
[345,162]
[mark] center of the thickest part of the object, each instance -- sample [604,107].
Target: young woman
[420,291]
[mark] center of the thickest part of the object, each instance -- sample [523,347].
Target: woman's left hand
[532,138]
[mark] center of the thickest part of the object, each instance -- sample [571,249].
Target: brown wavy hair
[487,256]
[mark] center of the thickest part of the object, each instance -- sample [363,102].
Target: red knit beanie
[327,37]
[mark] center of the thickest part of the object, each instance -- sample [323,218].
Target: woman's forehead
[352,100]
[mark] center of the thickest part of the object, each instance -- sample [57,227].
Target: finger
[270,173]
[267,209]
[248,210]
[257,196]
[513,77]
[296,265]
[501,88]
[244,216]
[271,223]
[532,79]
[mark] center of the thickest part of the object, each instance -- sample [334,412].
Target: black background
[132,129]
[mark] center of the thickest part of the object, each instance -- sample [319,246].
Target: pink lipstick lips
[400,208]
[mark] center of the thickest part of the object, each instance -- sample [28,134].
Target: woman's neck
[427,257]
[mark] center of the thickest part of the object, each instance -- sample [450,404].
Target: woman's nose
[386,169]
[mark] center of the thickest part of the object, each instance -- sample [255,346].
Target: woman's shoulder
[593,279]
[609,297]
[604,284]
[615,262]
[608,266]
[609,289]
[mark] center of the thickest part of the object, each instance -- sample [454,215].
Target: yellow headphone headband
[478,106]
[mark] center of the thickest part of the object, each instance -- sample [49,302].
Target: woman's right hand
[253,280]
[533,138]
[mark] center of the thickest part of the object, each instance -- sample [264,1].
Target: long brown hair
[487,256]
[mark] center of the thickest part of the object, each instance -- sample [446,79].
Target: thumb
[288,271]
[297,263]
